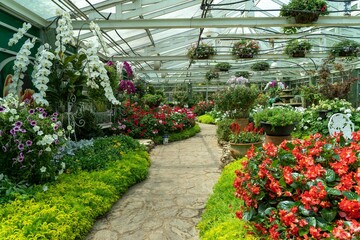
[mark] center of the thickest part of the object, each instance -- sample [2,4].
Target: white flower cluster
[237,80]
[20,33]
[47,140]
[97,33]
[119,67]
[41,73]
[64,32]
[20,66]
[96,70]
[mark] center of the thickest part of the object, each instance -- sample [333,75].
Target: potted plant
[245,48]
[211,74]
[273,88]
[277,121]
[201,51]
[260,66]
[242,138]
[345,48]
[304,11]
[223,66]
[244,74]
[236,101]
[297,48]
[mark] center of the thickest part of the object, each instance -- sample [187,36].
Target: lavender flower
[31,111]
[33,123]
[2,109]
[28,143]
[21,146]
[21,157]
[128,86]
[18,123]
[128,69]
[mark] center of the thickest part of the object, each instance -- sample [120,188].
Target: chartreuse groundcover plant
[302,189]
[70,206]
[218,220]
[206,118]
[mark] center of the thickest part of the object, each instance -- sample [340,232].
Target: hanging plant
[244,74]
[211,74]
[260,66]
[345,48]
[303,11]
[297,48]
[245,48]
[223,67]
[201,51]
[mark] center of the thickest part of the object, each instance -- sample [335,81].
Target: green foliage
[237,101]
[260,66]
[104,150]
[206,118]
[277,116]
[223,129]
[245,48]
[152,100]
[90,129]
[348,48]
[219,220]
[223,66]
[10,190]
[201,51]
[244,74]
[66,81]
[187,133]
[311,94]
[211,74]
[68,209]
[297,46]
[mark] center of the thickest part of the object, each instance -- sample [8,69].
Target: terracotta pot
[240,149]
[277,130]
[276,140]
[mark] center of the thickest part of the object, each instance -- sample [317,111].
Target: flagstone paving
[169,203]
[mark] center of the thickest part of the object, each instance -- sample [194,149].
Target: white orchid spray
[96,71]
[41,72]
[19,34]
[64,32]
[97,32]
[20,66]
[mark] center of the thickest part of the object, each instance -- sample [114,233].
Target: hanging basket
[245,55]
[304,18]
[298,54]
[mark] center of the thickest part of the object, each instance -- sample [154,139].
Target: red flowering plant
[202,107]
[303,189]
[249,134]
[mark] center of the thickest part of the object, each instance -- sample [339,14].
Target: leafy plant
[201,51]
[237,101]
[152,100]
[347,48]
[260,66]
[223,129]
[245,48]
[296,48]
[206,118]
[311,94]
[277,116]
[202,107]
[211,74]
[249,134]
[304,189]
[244,74]
[185,134]
[223,66]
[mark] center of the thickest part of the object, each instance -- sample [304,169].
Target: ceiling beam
[217,22]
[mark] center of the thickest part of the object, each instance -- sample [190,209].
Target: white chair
[341,123]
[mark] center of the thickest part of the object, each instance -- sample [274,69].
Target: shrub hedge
[206,118]
[219,220]
[68,209]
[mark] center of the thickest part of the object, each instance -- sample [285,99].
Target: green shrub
[90,128]
[223,130]
[206,118]
[219,219]
[152,100]
[187,133]
[68,209]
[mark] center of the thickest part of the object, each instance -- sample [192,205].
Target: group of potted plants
[260,66]
[201,51]
[297,48]
[245,48]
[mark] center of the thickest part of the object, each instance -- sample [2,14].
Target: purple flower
[53,119]
[16,129]
[128,86]
[31,111]
[56,127]
[28,143]
[55,114]
[44,114]
[23,130]
[21,146]
[33,123]
[109,63]
[18,124]
[128,69]
[2,108]
[21,157]
[40,109]
[12,132]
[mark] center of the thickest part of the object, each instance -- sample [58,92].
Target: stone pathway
[169,203]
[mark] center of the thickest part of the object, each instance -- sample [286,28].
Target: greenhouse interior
[180,119]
